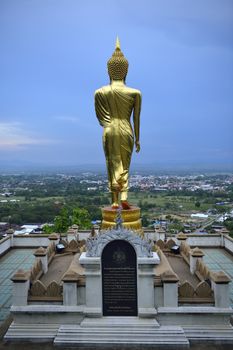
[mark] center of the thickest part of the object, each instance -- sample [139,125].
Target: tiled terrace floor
[15,259]
[218,259]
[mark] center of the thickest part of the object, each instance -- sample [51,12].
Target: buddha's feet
[115,206]
[125,205]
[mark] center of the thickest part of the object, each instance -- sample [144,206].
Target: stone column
[41,254]
[93,285]
[75,228]
[170,289]
[195,254]
[71,234]
[54,237]
[181,237]
[94,231]
[222,241]
[70,296]
[20,288]
[160,233]
[220,283]
[146,297]
[10,232]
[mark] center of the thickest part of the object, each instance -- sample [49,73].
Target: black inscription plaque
[119,279]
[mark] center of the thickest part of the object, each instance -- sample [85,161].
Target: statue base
[131,219]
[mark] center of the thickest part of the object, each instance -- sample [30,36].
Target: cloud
[13,136]
[69,119]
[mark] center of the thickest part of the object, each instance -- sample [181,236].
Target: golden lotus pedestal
[131,219]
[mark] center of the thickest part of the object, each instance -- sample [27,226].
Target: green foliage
[145,221]
[228,223]
[81,217]
[221,208]
[66,218]
[28,212]
[40,199]
[175,227]
[48,229]
[62,221]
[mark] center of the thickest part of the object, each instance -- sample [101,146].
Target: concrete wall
[153,235]
[50,313]
[84,234]
[30,241]
[210,240]
[158,292]
[38,240]
[228,243]
[193,315]
[5,244]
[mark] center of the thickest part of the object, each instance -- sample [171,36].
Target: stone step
[71,335]
[116,322]
[212,332]
[30,331]
[74,329]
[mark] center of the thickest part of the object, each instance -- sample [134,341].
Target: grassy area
[51,199]
[169,203]
[21,198]
[32,199]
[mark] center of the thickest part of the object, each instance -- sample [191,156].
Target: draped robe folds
[114,107]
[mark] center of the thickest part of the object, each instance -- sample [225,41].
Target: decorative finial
[118,45]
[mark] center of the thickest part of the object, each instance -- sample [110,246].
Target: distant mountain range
[159,167]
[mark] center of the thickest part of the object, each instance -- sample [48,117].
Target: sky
[53,57]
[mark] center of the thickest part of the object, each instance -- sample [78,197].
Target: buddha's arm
[136,119]
[101,110]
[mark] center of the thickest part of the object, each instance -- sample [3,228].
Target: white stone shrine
[102,280]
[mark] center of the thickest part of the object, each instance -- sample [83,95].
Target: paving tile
[4,298]
[15,259]
[220,260]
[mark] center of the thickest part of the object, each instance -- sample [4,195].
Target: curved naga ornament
[96,245]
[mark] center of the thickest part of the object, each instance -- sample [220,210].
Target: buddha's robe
[114,106]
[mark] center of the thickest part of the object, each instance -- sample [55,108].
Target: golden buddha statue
[114,105]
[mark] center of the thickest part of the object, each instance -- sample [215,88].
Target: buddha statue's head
[117,64]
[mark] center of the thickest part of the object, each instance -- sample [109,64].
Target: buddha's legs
[118,174]
[115,203]
[124,188]
[124,191]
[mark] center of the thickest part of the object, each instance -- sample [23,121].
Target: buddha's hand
[137,144]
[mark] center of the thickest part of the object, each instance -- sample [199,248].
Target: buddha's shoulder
[102,90]
[126,89]
[133,91]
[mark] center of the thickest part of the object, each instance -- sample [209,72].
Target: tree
[175,227]
[145,221]
[48,229]
[81,217]
[221,208]
[197,204]
[228,223]
[62,221]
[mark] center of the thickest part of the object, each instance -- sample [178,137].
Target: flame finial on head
[118,45]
